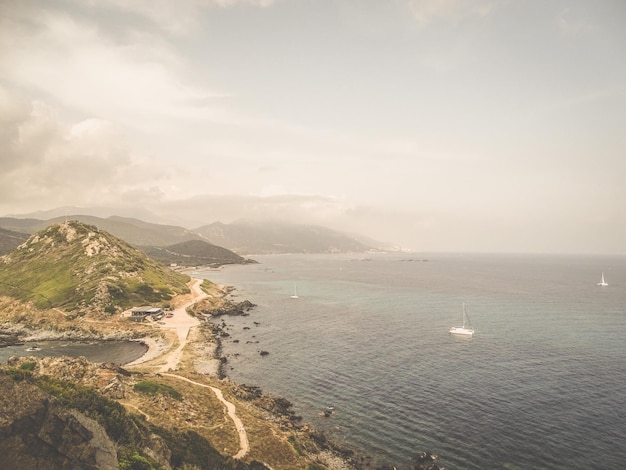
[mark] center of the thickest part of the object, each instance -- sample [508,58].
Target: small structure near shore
[141,313]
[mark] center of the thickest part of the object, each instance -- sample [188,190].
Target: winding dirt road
[183,322]
[244,445]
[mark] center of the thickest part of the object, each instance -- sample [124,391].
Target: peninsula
[173,408]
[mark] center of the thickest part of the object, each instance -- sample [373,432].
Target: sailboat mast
[464,314]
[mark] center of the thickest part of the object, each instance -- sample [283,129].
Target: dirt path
[244,445]
[182,322]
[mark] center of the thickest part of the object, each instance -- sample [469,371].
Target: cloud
[232,3]
[86,68]
[47,159]
[177,17]
[429,11]
[571,23]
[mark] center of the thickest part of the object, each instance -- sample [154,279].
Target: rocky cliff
[65,413]
[36,431]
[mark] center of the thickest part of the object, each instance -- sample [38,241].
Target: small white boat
[602,283]
[34,347]
[466,329]
[295,292]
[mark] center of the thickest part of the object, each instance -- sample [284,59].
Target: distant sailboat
[602,283]
[466,330]
[295,292]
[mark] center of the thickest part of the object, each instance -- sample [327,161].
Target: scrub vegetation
[74,267]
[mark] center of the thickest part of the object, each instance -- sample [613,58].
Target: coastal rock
[107,378]
[425,461]
[7,339]
[234,308]
[36,432]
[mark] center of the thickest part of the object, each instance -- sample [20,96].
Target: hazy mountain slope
[194,253]
[9,240]
[243,237]
[137,232]
[27,226]
[246,237]
[133,231]
[75,266]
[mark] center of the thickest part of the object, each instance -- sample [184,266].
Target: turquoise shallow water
[540,385]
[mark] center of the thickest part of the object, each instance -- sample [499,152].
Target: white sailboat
[602,283]
[466,329]
[295,292]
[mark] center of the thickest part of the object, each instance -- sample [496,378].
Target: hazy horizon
[441,125]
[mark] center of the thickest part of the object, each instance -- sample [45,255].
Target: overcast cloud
[438,125]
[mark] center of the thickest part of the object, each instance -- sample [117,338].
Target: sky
[435,125]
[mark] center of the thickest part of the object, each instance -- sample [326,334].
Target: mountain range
[170,243]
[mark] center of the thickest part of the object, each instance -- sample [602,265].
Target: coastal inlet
[116,352]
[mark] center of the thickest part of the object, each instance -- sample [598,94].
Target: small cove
[116,352]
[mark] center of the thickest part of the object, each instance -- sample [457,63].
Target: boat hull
[457,330]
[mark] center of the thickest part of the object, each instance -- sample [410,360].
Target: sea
[540,385]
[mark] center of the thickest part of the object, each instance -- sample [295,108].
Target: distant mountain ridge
[241,237]
[133,231]
[194,253]
[10,239]
[247,237]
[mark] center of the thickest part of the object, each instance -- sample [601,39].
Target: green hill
[194,253]
[74,266]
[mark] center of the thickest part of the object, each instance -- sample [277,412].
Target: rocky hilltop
[79,268]
[165,243]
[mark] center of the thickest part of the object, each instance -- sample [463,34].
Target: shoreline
[177,344]
[155,348]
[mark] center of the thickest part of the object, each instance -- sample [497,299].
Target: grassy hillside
[74,266]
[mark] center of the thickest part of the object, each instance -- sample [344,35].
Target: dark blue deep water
[542,384]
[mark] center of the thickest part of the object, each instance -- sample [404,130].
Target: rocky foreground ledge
[70,413]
